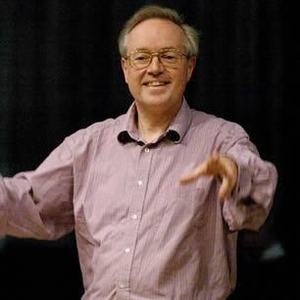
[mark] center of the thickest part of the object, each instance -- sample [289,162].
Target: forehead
[154,34]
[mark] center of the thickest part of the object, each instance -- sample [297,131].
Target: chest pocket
[194,200]
[188,205]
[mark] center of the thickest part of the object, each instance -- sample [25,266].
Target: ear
[124,65]
[191,66]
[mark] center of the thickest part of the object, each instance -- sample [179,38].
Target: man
[156,197]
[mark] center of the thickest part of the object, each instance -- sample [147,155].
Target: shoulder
[215,129]
[103,130]
[213,123]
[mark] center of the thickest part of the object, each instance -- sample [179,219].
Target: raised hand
[216,165]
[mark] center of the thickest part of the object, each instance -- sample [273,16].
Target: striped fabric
[140,234]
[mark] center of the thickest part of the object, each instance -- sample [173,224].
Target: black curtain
[60,71]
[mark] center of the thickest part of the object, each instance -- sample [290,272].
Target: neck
[152,124]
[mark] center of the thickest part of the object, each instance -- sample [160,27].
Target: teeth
[156,83]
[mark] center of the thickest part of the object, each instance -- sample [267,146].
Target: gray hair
[147,12]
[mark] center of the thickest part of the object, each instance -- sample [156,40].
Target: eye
[140,57]
[169,56]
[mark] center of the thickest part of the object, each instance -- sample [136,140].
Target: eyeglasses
[141,59]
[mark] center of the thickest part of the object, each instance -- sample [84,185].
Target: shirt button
[147,150]
[127,250]
[140,182]
[134,217]
[121,285]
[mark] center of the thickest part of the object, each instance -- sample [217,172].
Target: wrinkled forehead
[155,34]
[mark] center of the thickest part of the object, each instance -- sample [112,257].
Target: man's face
[156,86]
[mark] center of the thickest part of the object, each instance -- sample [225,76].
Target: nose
[155,67]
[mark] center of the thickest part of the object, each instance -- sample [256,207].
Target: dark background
[60,71]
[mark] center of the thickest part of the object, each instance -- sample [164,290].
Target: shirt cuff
[3,209]
[233,216]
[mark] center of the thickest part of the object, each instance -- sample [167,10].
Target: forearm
[251,201]
[38,204]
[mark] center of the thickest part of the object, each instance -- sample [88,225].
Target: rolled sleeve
[38,204]
[3,209]
[252,199]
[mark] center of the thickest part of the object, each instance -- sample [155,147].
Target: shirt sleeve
[252,199]
[38,204]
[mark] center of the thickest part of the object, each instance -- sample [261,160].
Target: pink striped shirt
[141,235]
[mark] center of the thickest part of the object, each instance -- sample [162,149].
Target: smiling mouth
[156,83]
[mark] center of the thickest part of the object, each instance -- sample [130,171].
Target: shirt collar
[128,131]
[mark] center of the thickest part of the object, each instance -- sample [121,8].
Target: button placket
[134,216]
[127,250]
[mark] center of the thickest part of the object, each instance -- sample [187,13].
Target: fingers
[194,174]
[224,190]
[209,167]
[219,166]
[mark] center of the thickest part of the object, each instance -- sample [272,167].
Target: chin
[156,98]
[156,101]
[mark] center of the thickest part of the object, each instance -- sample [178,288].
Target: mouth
[156,83]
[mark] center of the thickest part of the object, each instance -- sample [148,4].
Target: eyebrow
[162,49]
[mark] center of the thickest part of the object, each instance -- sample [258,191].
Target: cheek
[134,84]
[181,80]
[134,79]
